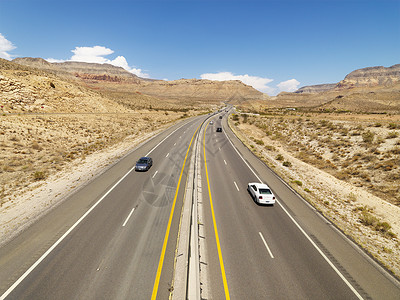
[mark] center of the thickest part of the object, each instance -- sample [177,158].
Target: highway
[113,239]
[116,237]
[285,251]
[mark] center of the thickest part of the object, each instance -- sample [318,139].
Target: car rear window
[265,191]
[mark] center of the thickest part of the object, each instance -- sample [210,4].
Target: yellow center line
[221,262]
[164,247]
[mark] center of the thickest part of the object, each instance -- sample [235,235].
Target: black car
[143,164]
[219,129]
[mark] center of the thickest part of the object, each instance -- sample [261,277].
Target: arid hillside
[233,91]
[377,99]
[368,90]
[107,78]
[26,90]
[49,122]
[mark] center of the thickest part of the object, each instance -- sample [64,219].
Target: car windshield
[265,191]
[142,161]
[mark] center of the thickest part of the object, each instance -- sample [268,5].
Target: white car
[261,193]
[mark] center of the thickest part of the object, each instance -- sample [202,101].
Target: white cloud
[256,82]
[5,47]
[91,54]
[290,85]
[54,60]
[120,61]
[96,55]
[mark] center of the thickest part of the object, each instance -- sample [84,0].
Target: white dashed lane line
[266,245]
[130,214]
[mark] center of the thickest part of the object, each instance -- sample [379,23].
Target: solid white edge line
[130,214]
[236,186]
[27,272]
[266,245]
[302,231]
[163,140]
[242,158]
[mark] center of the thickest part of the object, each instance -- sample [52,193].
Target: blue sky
[270,44]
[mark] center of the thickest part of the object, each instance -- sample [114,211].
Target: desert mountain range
[367,90]
[372,89]
[366,77]
[99,76]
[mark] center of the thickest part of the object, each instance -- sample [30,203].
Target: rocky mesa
[233,91]
[365,77]
[367,90]
[370,77]
[99,76]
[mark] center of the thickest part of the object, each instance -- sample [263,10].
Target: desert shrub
[395,150]
[382,226]
[342,175]
[379,140]
[279,157]
[393,126]
[355,133]
[344,131]
[287,164]
[298,182]
[39,175]
[367,219]
[277,136]
[392,135]
[259,142]
[368,137]
[235,117]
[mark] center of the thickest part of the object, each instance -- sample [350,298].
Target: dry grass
[359,151]
[33,147]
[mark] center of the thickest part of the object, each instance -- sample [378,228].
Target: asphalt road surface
[113,239]
[285,251]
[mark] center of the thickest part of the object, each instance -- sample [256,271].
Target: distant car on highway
[211,122]
[144,164]
[219,129]
[261,193]
[220,117]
